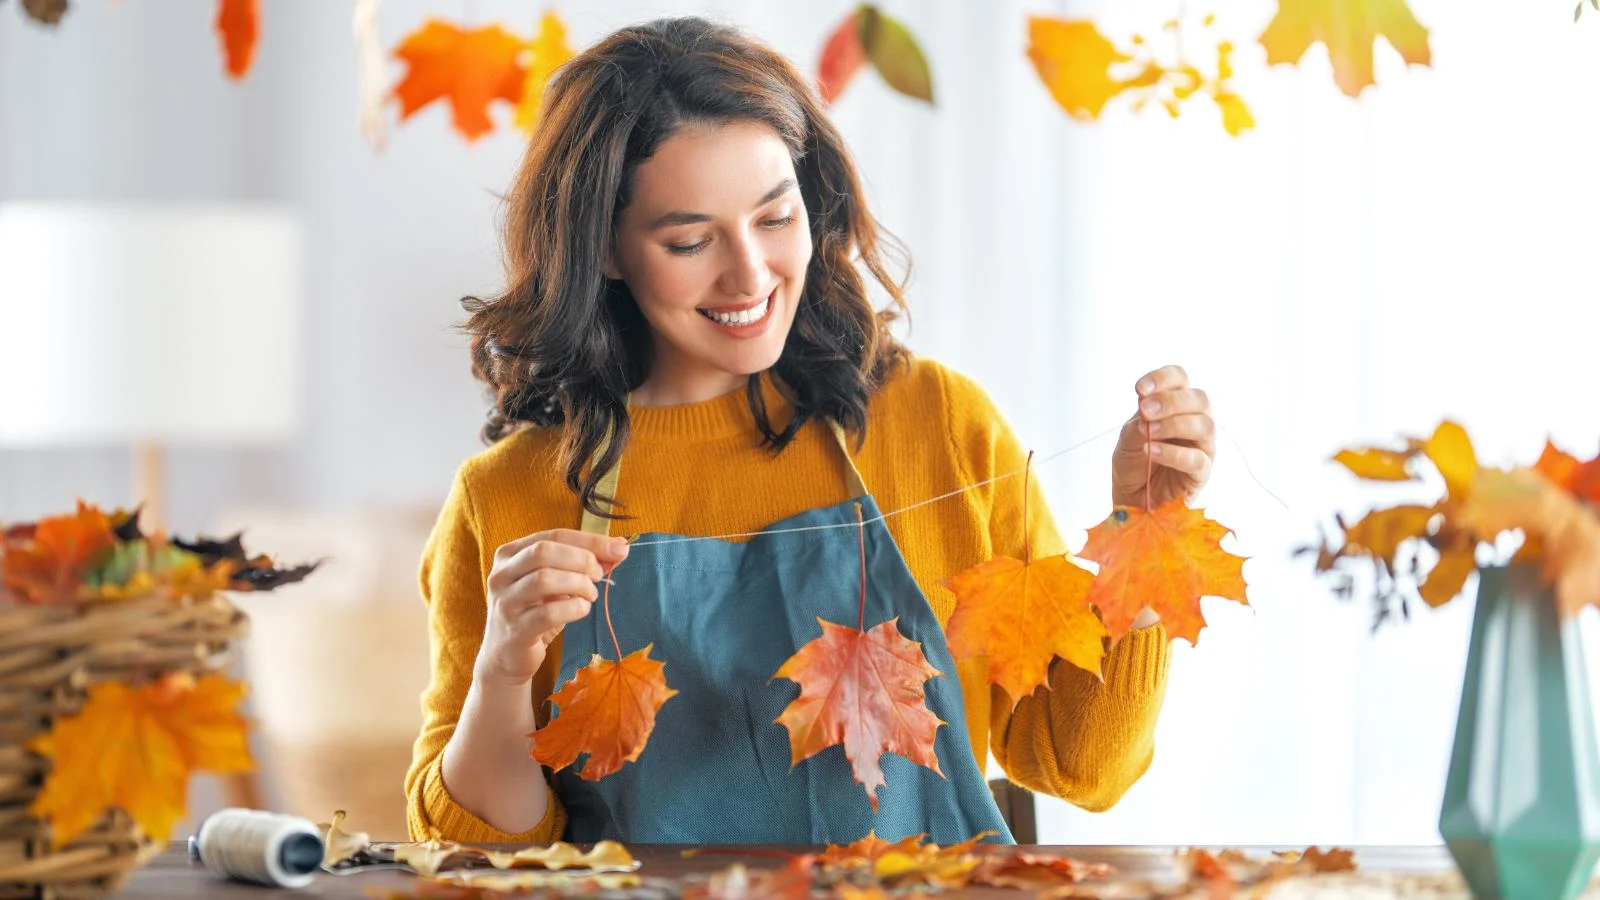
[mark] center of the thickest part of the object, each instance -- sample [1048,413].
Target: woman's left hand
[1181,443]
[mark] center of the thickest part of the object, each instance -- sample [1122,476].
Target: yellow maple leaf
[134,748]
[550,52]
[1348,28]
[1074,61]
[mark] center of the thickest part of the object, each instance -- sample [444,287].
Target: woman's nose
[746,273]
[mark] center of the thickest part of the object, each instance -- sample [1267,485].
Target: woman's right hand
[539,584]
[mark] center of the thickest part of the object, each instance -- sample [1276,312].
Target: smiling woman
[686,346]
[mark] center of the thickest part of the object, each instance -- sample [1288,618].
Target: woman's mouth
[743,316]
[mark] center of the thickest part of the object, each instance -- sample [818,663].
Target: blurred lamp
[147,325]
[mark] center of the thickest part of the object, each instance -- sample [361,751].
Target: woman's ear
[610,269]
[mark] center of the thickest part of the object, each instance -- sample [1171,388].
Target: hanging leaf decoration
[869,35]
[45,12]
[470,69]
[1348,29]
[238,23]
[608,711]
[550,52]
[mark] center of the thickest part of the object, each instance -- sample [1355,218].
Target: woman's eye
[779,223]
[687,249]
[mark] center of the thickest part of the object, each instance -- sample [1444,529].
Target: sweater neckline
[723,416]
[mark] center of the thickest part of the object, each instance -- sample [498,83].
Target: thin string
[606,602]
[861,529]
[883,516]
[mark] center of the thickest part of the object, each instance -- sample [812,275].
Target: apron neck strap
[607,485]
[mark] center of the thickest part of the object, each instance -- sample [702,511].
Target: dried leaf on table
[339,845]
[1034,871]
[864,690]
[560,855]
[607,711]
[133,748]
[1167,559]
[426,858]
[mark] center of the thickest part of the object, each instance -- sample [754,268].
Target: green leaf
[895,53]
[124,562]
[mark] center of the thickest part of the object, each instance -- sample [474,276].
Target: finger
[1166,378]
[544,585]
[605,548]
[556,614]
[1196,427]
[1188,460]
[1186,401]
[1132,438]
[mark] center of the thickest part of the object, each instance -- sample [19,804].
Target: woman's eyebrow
[679,217]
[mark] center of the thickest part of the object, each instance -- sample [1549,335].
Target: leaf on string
[550,52]
[843,56]
[1377,463]
[869,35]
[238,23]
[133,748]
[1017,616]
[470,69]
[895,53]
[47,12]
[371,73]
[1167,559]
[1348,29]
[864,690]
[606,711]
[1074,61]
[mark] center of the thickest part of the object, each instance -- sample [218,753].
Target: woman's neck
[669,385]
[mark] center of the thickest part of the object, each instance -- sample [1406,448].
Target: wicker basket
[48,658]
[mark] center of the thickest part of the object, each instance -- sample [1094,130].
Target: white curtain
[1347,272]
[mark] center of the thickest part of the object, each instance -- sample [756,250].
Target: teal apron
[724,617]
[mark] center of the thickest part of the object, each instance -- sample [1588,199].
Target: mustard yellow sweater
[930,430]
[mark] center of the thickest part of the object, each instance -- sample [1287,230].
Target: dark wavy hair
[564,345]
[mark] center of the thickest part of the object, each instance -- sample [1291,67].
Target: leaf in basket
[45,562]
[141,569]
[426,857]
[134,748]
[249,573]
[339,845]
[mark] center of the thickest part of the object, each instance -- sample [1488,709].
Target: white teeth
[742,317]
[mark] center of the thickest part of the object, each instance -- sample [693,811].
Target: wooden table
[173,877]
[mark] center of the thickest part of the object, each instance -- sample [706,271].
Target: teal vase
[1521,812]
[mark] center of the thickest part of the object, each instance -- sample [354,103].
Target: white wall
[1346,272]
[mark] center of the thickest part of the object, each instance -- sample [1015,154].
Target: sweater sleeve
[452,584]
[1083,740]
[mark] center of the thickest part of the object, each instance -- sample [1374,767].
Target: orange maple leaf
[469,68]
[1074,60]
[1581,479]
[862,689]
[133,748]
[1167,559]
[238,22]
[867,849]
[607,710]
[1016,616]
[46,562]
[1348,29]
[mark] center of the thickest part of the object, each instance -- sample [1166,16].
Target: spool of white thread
[258,846]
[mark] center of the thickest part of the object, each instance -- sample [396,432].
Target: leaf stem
[1027,543]
[606,603]
[861,532]
[1149,465]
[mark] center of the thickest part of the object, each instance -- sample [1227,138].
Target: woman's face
[714,247]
